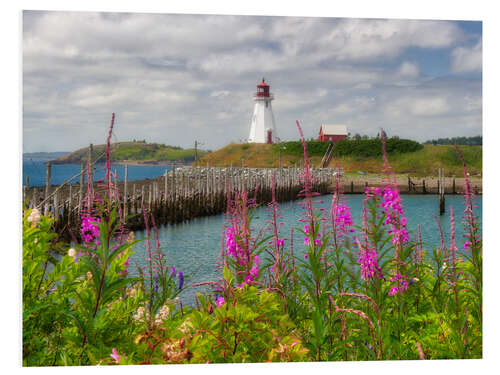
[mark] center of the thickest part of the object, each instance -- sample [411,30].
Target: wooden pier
[189,192]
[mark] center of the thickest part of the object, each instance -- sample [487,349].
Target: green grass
[423,162]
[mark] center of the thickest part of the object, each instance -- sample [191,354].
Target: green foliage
[465,141]
[353,147]
[134,151]
[296,148]
[154,152]
[74,312]
[373,147]
[249,327]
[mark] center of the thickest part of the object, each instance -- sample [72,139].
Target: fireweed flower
[90,228]
[233,247]
[401,286]
[317,242]
[306,231]
[343,219]
[393,209]
[220,301]
[368,263]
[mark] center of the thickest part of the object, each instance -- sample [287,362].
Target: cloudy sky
[175,79]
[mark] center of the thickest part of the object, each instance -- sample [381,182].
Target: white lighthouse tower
[263,127]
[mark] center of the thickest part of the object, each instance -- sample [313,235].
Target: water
[194,247]
[36,170]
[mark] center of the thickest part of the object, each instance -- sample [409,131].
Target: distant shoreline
[136,163]
[140,163]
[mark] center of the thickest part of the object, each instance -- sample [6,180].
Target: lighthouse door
[269,137]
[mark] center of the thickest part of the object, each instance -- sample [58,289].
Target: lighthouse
[263,127]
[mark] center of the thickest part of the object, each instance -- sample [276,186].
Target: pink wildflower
[368,263]
[220,301]
[90,228]
[401,286]
[343,219]
[115,356]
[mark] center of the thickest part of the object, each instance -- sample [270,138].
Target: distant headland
[133,153]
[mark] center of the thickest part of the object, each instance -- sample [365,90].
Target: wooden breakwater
[189,192]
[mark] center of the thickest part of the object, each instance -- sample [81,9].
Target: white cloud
[172,75]
[408,69]
[467,59]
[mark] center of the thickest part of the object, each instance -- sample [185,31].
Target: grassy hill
[133,151]
[422,162]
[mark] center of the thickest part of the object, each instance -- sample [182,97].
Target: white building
[263,127]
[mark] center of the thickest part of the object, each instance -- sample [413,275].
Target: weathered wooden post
[454,189]
[423,187]
[70,202]
[142,197]
[166,186]
[150,197]
[441,192]
[134,200]
[56,206]
[47,188]
[174,186]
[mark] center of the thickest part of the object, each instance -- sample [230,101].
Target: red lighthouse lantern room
[263,89]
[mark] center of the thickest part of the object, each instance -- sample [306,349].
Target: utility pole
[196,153]
[280,155]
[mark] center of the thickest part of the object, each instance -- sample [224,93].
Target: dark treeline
[352,147]
[465,141]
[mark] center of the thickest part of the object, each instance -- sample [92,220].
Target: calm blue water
[36,170]
[194,247]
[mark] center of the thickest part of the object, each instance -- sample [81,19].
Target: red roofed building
[332,133]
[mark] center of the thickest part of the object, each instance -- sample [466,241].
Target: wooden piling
[441,192]
[56,206]
[47,188]
[70,202]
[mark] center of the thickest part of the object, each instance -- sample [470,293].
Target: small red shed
[332,133]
